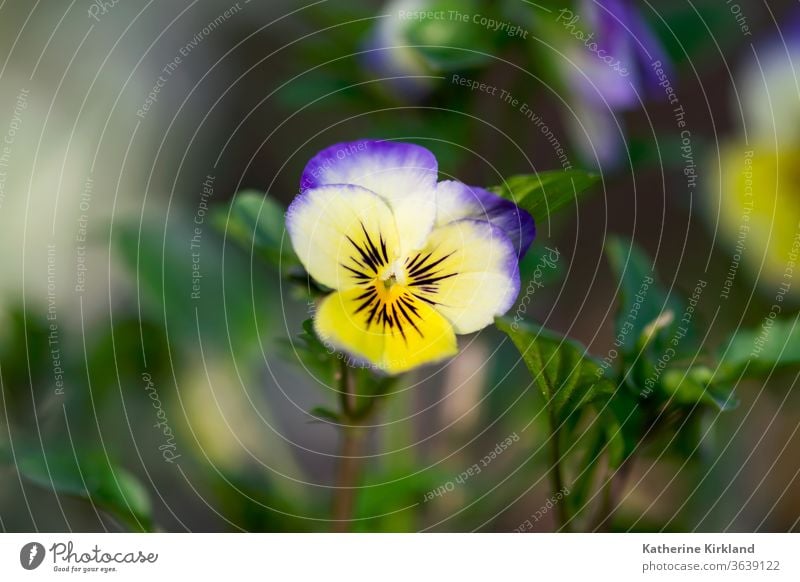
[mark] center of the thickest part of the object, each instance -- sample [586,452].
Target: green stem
[611,489]
[557,477]
[349,464]
[349,470]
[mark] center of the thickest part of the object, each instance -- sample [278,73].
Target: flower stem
[349,467]
[557,477]
[611,490]
[349,470]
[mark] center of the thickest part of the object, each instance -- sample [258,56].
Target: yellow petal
[386,327]
[759,208]
[342,234]
[468,271]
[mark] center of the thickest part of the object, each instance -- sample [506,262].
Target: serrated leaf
[567,377]
[545,193]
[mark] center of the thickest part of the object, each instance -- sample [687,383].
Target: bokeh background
[128,403]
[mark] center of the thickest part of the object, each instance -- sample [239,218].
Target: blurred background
[150,379]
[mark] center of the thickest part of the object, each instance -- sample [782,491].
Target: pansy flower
[411,261]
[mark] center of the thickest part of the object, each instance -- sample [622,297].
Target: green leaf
[198,293]
[566,376]
[694,386]
[541,267]
[257,222]
[756,352]
[90,476]
[388,491]
[325,414]
[544,193]
[313,355]
[625,421]
[645,314]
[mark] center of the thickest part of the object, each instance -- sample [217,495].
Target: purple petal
[371,163]
[457,201]
[403,174]
[620,31]
[650,50]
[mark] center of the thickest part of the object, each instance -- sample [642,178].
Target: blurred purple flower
[611,50]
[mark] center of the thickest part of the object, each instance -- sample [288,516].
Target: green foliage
[757,352]
[653,388]
[544,193]
[310,353]
[566,376]
[695,385]
[644,305]
[198,296]
[327,366]
[256,222]
[655,335]
[388,497]
[90,476]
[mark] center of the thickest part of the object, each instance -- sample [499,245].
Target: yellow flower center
[393,287]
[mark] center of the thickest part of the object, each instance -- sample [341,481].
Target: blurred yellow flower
[756,194]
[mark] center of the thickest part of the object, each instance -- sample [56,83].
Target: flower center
[393,274]
[394,287]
